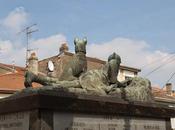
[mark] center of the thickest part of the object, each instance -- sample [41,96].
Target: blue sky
[140,31]
[102,20]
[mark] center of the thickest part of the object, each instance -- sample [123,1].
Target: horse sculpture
[78,64]
[71,72]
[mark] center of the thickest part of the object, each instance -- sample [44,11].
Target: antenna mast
[28,31]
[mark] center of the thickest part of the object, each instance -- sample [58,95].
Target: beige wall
[123,73]
[121,77]
[173,123]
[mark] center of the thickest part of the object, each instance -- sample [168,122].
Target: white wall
[173,123]
[128,73]
[123,73]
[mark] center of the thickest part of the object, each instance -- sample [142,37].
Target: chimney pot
[169,88]
[33,63]
[64,47]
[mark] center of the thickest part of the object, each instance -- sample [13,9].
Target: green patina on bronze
[75,78]
[78,64]
[71,72]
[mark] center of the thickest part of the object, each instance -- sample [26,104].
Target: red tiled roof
[11,67]
[162,93]
[13,81]
[16,67]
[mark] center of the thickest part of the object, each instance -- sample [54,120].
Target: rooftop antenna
[28,31]
[13,65]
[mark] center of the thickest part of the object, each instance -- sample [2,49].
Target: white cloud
[126,48]
[47,47]
[15,19]
[135,53]
[14,49]
[10,48]
[5,46]
[9,52]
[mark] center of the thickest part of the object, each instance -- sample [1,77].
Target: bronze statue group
[75,78]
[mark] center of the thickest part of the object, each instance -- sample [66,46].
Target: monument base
[48,109]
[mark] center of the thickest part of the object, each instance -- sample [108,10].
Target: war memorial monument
[84,100]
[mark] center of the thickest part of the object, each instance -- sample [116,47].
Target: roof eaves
[130,68]
[11,66]
[16,73]
[170,100]
[8,91]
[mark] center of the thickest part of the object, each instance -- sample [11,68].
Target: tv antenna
[28,31]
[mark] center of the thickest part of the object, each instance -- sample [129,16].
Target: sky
[141,32]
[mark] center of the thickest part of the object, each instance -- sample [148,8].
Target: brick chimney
[64,47]
[33,63]
[169,87]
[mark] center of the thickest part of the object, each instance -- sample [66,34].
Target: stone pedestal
[50,109]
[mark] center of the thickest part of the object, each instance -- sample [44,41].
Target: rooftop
[161,94]
[13,79]
[92,59]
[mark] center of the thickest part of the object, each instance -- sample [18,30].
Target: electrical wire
[160,66]
[171,77]
[162,58]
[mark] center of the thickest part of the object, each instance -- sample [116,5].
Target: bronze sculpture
[78,64]
[75,78]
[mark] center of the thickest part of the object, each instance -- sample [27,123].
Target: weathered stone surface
[52,108]
[59,99]
[67,121]
[14,121]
